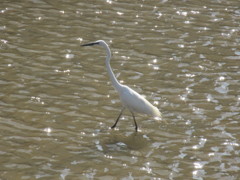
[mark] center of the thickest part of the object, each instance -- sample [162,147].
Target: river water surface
[57,102]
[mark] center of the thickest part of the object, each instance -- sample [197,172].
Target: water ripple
[57,103]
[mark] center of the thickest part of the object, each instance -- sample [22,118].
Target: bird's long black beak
[90,44]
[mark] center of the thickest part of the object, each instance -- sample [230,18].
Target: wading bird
[130,99]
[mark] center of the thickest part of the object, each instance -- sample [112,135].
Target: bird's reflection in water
[119,142]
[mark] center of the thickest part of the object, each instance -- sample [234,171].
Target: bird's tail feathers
[156,113]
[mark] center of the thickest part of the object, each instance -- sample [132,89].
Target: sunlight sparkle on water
[221,78]
[98,12]
[48,130]
[4,10]
[198,165]
[154,61]
[147,168]
[190,75]
[119,13]
[80,39]
[182,13]
[181,45]
[157,118]
[188,122]
[37,100]
[197,174]
[109,1]
[69,56]
[156,102]
[201,143]
[209,97]
[64,173]
[182,97]
[195,12]
[188,90]
[3,41]
[108,156]
[159,14]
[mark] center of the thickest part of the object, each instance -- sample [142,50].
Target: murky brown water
[57,102]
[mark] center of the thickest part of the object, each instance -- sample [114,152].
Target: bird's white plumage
[136,102]
[130,99]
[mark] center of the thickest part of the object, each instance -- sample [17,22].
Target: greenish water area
[57,103]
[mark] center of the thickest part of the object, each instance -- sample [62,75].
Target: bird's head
[99,42]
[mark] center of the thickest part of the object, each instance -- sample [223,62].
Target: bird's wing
[137,103]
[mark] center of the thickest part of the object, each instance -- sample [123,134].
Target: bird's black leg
[136,126]
[118,118]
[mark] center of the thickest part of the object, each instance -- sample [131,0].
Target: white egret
[130,99]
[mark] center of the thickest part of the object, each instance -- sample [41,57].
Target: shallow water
[57,102]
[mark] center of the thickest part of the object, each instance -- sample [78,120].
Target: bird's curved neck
[113,79]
